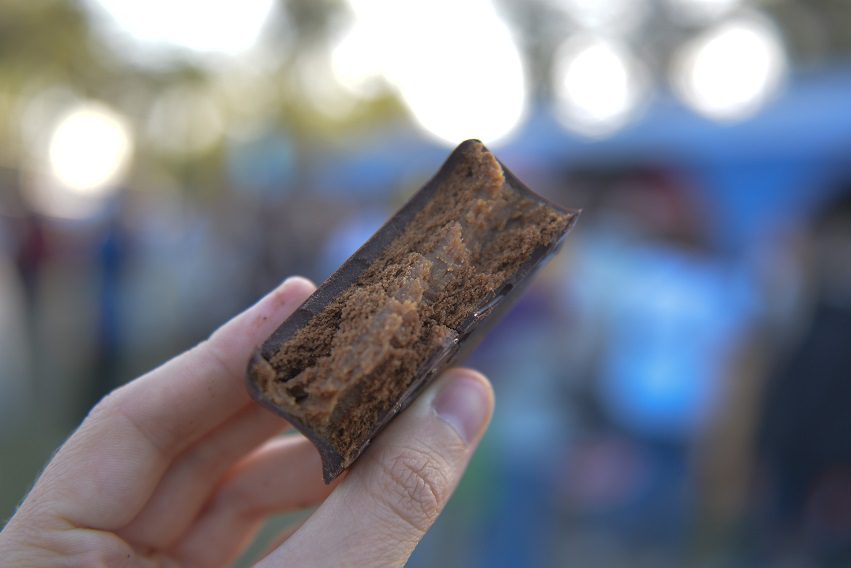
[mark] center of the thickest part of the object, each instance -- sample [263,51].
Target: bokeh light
[81,161]
[598,85]
[355,63]
[227,27]
[89,149]
[731,70]
[454,64]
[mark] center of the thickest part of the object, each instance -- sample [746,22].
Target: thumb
[395,492]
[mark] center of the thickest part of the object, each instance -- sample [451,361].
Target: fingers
[395,492]
[183,399]
[284,475]
[189,481]
[109,468]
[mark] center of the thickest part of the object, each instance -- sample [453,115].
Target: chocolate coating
[410,302]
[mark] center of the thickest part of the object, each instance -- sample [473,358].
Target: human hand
[180,468]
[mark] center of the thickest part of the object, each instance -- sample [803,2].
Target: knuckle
[210,351]
[108,405]
[414,484]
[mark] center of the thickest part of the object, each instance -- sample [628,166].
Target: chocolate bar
[410,302]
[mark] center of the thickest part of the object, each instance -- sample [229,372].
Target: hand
[180,468]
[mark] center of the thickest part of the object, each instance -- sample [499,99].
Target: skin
[180,468]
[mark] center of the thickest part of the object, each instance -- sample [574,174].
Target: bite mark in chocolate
[398,311]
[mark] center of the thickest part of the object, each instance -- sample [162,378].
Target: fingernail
[464,403]
[297,285]
[297,281]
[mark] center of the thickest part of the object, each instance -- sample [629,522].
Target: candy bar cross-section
[407,304]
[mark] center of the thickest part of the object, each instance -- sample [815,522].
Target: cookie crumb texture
[346,368]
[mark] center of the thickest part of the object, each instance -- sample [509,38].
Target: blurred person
[157,474]
[31,253]
[662,312]
[164,246]
[725,453]
[804,434]
[112,252]
[528,437]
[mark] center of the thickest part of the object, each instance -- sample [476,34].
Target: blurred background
[675,389]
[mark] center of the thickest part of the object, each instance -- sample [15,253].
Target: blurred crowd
[674,404]
[672,390]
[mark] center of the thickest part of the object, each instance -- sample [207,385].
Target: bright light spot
[697,11]
[730,71]
[356,65]
[604,15]
[185,120]
[82,158]
[218,26]
[89,149]
[599,86]
[454,64]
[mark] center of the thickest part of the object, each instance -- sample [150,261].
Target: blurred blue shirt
[669,320]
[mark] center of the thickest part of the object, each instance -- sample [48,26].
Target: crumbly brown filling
[353,361]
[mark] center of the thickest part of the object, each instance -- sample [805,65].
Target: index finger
[109,468]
